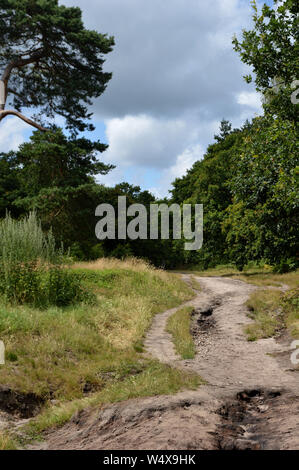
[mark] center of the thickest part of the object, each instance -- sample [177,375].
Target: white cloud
[11,133]
[145,141]
[183,162]
[139,145]
[250,98]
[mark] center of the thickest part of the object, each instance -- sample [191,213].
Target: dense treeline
[248,183]
[247,180]
[55,176]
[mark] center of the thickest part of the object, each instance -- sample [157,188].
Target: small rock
[263,408]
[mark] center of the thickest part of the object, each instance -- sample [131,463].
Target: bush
[63,287]
[286,266]
[31,270]
[19,282]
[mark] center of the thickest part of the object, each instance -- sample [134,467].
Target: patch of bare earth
[250,400]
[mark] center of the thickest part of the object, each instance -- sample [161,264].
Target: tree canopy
[271,48]
[50,62]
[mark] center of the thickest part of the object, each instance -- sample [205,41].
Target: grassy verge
[178,326]
[266,313]
[271,311]
[291,309]
[90,354]
[6,442]
[194,283]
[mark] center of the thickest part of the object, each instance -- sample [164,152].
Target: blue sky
[175,76]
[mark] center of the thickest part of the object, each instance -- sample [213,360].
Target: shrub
[20,281]
[63,287]
[32,271]
[286,266]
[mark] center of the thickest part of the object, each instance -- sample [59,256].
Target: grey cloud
[175,76]
[171,56]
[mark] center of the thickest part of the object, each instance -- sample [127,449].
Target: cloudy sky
[175,76]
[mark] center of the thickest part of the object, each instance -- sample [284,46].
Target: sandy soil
[250,400]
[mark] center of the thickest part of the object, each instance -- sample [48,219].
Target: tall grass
[23,241]
[31,269]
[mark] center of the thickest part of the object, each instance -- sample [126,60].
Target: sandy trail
[250,401]
[225,359]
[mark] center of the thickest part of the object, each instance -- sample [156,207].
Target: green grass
[266,313]
[290,305]
[84,355]
[194,283]
[271,311]
[178,325]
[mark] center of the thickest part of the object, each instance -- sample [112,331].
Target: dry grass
[59,350]
[194,283]
[273,310]
[133,264]
[6,442]
[62,352]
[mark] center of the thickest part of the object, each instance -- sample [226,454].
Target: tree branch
[17,63]
[20,63]
[11,112]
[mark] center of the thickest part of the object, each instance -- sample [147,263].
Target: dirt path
[250,401]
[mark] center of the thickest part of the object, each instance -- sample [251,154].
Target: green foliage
[63,287]
[52,62]
[23,241]
[271,48]
[224,131]
[248,181]
[207,183]
[54,175]
[262,221]
[31,270]
[286,266]
[50,159]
